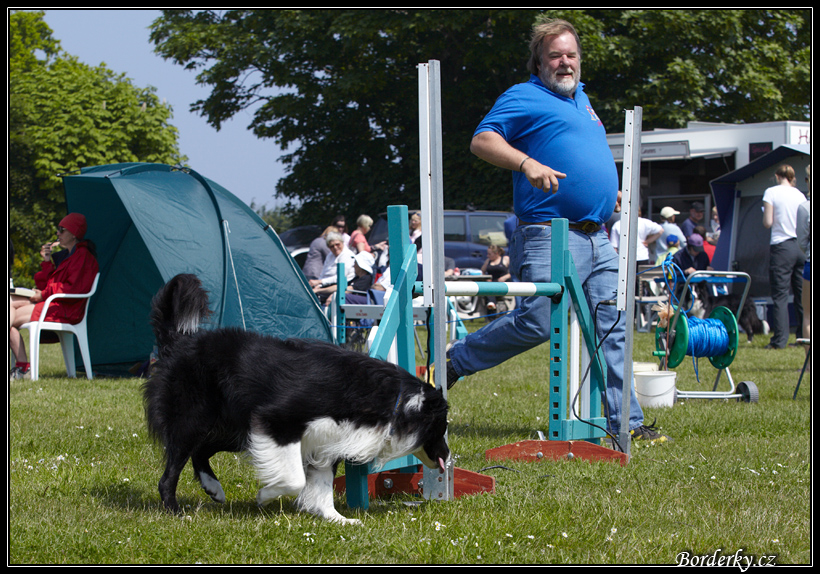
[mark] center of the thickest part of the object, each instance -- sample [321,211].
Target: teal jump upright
[396,323]
[561,426]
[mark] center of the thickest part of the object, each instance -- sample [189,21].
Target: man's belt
[588,227]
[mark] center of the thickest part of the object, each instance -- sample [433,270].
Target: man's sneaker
[19,373]
[452,375]
[647,433]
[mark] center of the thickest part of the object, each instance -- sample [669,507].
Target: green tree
[275,217]
[65,115]
[731,66]
[340,86]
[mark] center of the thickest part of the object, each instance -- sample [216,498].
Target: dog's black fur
[747,319]
[221,389]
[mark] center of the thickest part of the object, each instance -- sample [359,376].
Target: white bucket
[643,367]
[655,388]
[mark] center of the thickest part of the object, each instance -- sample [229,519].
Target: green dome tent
[150,222]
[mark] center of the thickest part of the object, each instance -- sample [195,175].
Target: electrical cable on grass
[499,466]
[601,367]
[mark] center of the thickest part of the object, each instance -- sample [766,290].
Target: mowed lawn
[734,485]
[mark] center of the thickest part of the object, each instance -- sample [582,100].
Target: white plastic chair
[66,334]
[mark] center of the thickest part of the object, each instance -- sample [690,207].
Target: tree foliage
[338,88]
[65,115]
[730,66]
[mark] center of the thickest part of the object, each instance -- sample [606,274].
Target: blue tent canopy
[150,222]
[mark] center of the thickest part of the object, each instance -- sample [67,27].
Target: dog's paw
[212,487]
[331,515]
[342,520]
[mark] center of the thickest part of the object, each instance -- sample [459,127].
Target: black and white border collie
[298,407]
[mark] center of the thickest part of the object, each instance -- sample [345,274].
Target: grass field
[736,482]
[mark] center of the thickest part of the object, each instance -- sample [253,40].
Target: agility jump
[575,422]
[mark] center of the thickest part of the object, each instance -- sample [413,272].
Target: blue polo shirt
[566,135]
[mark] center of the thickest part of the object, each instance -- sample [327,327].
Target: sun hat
[365,260]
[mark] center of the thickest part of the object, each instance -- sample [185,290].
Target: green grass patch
[83,475]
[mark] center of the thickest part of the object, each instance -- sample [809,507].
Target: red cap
[75,223]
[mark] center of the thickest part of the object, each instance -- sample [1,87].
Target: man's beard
[564,87]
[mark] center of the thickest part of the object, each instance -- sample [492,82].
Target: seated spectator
[672,247]
[497,266]
[688,260]
[317,253]
[693,258]
[383,283]
[363,281]
[708,248]
[713,234]
[71,270]
[326,284]
[669,226]
[415,226]
[340,226]
[358,239]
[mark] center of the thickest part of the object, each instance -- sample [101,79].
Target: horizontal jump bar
[470,288]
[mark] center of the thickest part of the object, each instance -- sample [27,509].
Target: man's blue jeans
[528,326]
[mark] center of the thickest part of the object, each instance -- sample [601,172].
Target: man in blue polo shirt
[548,134]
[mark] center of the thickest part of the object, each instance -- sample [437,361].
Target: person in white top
[326,284]
[648,232]
[415,226]
[786,259]
[669,228]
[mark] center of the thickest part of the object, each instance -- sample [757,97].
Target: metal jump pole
[630,201]
[438,485]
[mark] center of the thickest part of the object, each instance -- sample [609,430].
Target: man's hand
[541,176]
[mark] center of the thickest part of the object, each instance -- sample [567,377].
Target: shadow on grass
[492,430]
[126,497]
[129,498]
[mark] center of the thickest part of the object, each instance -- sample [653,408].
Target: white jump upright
[437,485]
[630,201]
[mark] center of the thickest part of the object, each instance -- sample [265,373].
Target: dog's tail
[177,309]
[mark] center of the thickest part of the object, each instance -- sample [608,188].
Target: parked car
[466,235]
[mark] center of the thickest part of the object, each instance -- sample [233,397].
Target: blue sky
[233,157]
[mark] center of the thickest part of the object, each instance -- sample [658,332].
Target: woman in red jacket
[71,270]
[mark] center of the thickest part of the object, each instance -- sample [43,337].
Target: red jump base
[535,450]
